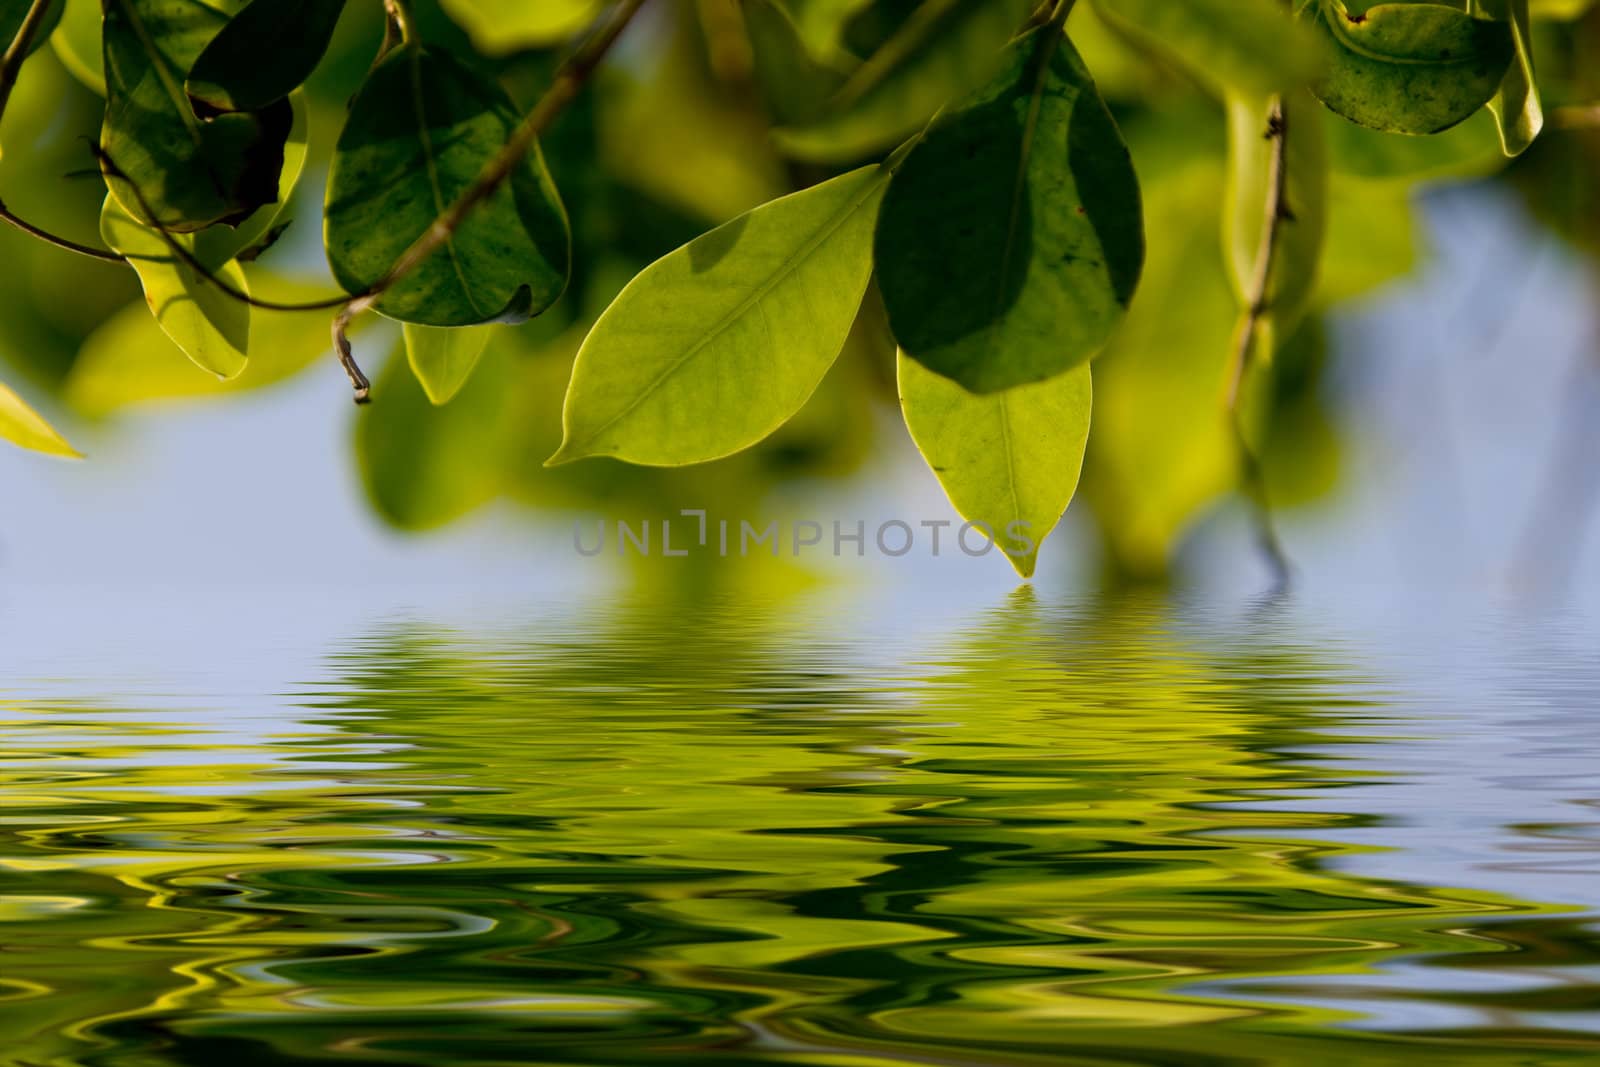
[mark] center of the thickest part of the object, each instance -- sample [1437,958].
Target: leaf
[1516,106]
[420,131]
[1011,238]
[77,43]
[501,26]
[1409,67]
[943,51]
[191,173]
[716,345]
[1298,251]
[263,54]
[443,358]
[1251,45]
[12,15]
[1470,149]
[1009,460]
[217,245]
[26,428]
[795,83]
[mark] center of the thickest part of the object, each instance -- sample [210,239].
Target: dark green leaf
[12,15]
[420,131]
[191,173]
[1409,68]
[265,52]
[1011,239]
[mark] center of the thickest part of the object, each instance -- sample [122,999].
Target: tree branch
[11,62]
[1258,304]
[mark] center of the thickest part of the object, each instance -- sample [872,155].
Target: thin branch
[7,216]
[1258,304]
[1581,117]
[11,61]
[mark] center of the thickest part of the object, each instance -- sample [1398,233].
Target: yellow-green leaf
[26,428]
[1008,460]
[1250,45]
[442,358]
[1516,106]
[716,345]
[500,26]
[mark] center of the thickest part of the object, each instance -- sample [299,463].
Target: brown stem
[7,216]
[11,61]
[1258,304]
[1581,117]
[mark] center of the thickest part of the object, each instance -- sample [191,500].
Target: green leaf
[1470,149]
[501,26]
[1298,250]
[942,52]
[795,83]
[264,53]
[77,43]
[1409,67]
[1251,45]
[1009,460]
[191,173]
[26,428]
[1011,238]
[716,345]
[12,15]
[443,358]
[211,327]
[217,245]
[1516,106]
[419,133]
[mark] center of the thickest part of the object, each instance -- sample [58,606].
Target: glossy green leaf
[211,327]
[1011,239]
[942,52]
[1516,106]
[264,53]
[795,83]
[191,173]
[77,43]
[500,26]
[1009,460]
[26,428]
[1409,67]
[14,12]
[419,133]
[1249,45]
[716,345]
[443,358]
[1297,253]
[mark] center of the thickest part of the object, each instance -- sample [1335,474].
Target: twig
[1258,304]
[7,216]
[11,61]
[572,76]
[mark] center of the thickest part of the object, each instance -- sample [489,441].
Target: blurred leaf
[1252,45]
[1409,67]
[264,53]
[129,362]
[1011,237]
[942,52]
[795,83]
[77,43]
[191,174]
[1470,149]
[500,26]
[1371,238]
[715,346]
[1298,252]
[1561,10]
[26,428]
[1011,459]
[211,327]
[420,131]
[822,23]
[443,358]
[1516,106]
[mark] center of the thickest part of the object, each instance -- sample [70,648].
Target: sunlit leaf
[1297,252]
[716,345]
[263,54]
[795,83]
[191,173]
[499,26]
[943,51]
[1009,460]
[1251,45]
[443,358]
[1409,67]
[1011,238]
[26,428]
[1560,10]
[77,43]
[1516,106]
[419,133]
